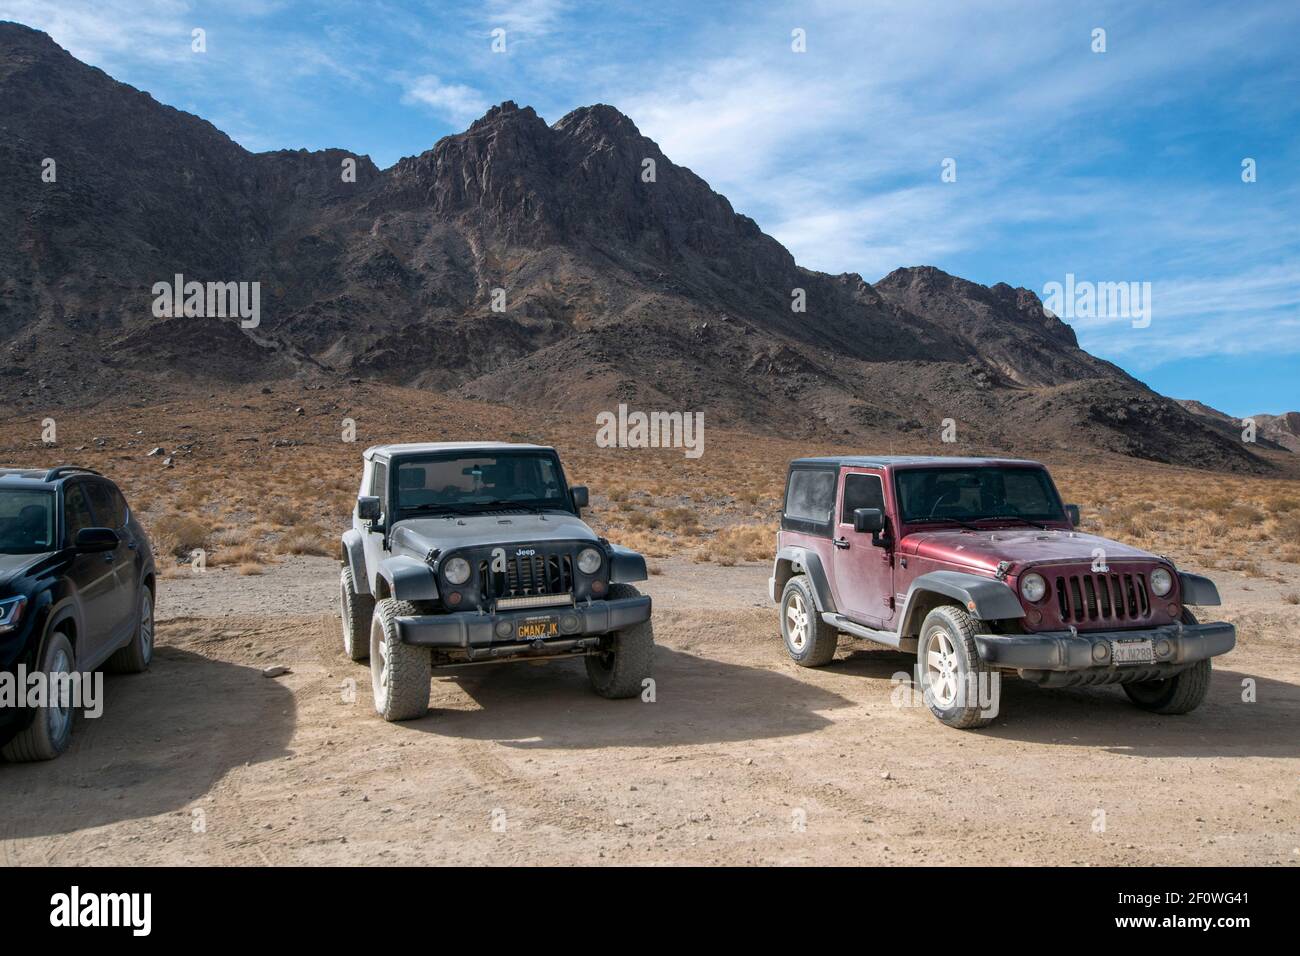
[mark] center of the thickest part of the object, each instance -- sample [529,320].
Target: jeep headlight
[1033,587]
[589,560]
[1162,582]
[456,571]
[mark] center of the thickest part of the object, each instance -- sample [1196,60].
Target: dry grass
[740,543]
[305,541]
[244,501]
[239,555]
[177,535]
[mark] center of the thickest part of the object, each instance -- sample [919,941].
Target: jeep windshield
[26,521]
[965,495]
[465,484]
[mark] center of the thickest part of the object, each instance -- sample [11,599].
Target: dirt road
[742,757]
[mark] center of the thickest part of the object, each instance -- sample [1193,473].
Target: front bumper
[1061,658]
[475,632]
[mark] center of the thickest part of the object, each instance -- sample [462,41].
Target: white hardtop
[434,447]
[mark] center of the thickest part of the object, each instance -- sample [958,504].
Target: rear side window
[809,500]
[109,507]
[861,491]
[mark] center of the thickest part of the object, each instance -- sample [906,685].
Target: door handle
[841,543]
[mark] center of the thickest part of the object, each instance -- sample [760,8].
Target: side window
[107,503]
[810,500]
[76,510]
[379,485]
[861,491]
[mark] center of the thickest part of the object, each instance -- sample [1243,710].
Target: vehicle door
[372,533]
[864,571]
[93,575]
[109,508]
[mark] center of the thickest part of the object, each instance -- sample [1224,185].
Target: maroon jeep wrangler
[974,565]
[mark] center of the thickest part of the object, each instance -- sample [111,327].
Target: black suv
[77,588]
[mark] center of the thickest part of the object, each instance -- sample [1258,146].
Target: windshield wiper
[964,524]
[1032,524]
[500,504]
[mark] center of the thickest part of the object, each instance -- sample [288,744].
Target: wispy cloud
[452,101]
[529,19]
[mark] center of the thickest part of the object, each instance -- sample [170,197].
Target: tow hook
[538,645]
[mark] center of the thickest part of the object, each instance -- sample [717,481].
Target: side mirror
[868,520]
[580,495]
[1072,512]
[369,508]
[96,540]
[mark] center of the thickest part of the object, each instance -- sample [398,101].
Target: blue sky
[1115,166]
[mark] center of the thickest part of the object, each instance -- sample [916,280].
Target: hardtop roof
[909,461]
[433,448]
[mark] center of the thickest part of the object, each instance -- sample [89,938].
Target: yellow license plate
[535,627]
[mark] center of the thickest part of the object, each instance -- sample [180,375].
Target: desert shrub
[305,541]
[235,555]
[1243,516]
[177,535]
[742,543]
[284,515]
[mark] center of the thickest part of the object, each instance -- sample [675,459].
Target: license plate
[1132,652]
[532,628]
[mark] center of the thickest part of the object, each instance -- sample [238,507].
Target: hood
[984,550]
[14,566]
[419,536]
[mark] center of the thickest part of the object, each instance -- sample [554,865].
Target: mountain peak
[506,113]
[599,117]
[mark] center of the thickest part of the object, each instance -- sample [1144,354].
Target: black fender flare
[55,613]
[408,579]
[626,566]
[986,599]
[805,561]
[1198,590]
[354,556]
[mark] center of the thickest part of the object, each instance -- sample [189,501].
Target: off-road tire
[357,610]
[949,632]
[626,657]
[810,641]
[45,738]
[1180,694]
[399,673]
[134,658]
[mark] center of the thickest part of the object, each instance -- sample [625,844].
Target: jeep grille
[1114,596]
[527,576]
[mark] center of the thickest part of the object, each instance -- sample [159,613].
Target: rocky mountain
[1271,431]
[518,261]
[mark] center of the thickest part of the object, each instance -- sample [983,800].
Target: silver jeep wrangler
[475,552]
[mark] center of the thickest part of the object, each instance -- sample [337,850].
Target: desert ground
[741,758]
